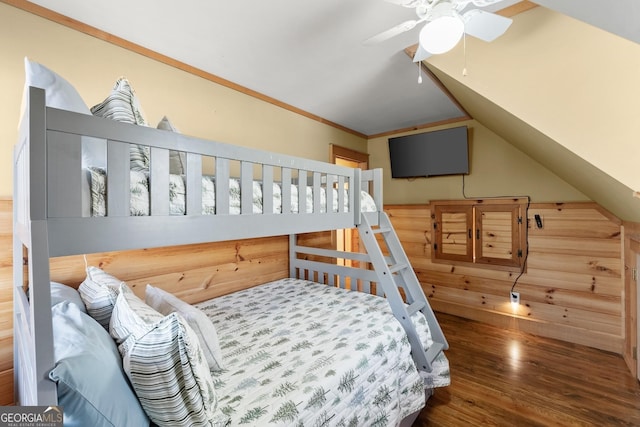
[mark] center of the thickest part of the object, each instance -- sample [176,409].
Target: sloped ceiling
[562,91]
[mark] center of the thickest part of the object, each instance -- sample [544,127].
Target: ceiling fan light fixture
[442,34]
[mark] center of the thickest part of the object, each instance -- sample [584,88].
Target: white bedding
[139,201]
[301,353]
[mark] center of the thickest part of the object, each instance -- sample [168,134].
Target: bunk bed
[266,333]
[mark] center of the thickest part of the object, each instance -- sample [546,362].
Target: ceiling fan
[446,24]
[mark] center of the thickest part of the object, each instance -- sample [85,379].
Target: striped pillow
[131,316]
[122,105]
[177,159]
[167,303]
[165,365]
[99,292]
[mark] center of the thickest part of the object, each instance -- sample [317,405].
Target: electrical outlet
[515,298]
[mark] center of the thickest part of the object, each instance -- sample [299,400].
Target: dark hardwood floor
[510,378]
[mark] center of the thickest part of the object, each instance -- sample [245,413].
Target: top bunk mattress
[301,353]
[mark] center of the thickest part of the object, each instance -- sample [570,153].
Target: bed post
[19,301]
[377,189]
[40,303]
[354,196]
[292,255]
[32,318]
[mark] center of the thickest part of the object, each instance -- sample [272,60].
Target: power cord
[526,249]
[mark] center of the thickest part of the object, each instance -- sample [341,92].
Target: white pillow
[167,303]
[99,292]
[165,365]
[61,292]
[59,92]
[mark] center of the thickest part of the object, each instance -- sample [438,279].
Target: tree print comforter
[305,354]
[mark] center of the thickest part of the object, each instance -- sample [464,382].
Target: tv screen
[442,152]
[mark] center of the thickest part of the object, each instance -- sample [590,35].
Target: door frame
[337,153]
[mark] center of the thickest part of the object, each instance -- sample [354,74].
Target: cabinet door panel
[497,235]
[453,229]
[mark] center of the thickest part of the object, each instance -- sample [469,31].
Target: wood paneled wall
[6,302]
[193,272]
[573,287]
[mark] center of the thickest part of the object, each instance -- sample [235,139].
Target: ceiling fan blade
[391,32]
[405,3]
[483,3]
[461,4]
[485,25]
[421,54]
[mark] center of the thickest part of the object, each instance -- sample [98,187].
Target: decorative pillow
[167,303]
[99,292]
[122,105]
[131,316]
[165,365]
[92,387]
[61,292]
[177,159]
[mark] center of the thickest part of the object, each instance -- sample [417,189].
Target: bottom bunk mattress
[302,353]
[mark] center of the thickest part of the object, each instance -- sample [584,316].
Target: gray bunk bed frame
[49,222]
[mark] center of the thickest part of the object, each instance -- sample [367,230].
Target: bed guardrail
[54,175]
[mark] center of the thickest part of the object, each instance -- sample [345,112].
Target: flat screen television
[441,152]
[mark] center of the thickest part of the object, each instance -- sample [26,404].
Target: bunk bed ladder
[395,272]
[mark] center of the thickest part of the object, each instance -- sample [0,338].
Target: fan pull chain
[464,48]
[419,72]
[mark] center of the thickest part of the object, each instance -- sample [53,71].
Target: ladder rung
[398,267]
[415,307]
[381,230]
[433,352]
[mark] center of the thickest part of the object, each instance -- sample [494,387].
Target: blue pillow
[61,292]
[92,387]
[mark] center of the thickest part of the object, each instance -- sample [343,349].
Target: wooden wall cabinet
[488,232]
